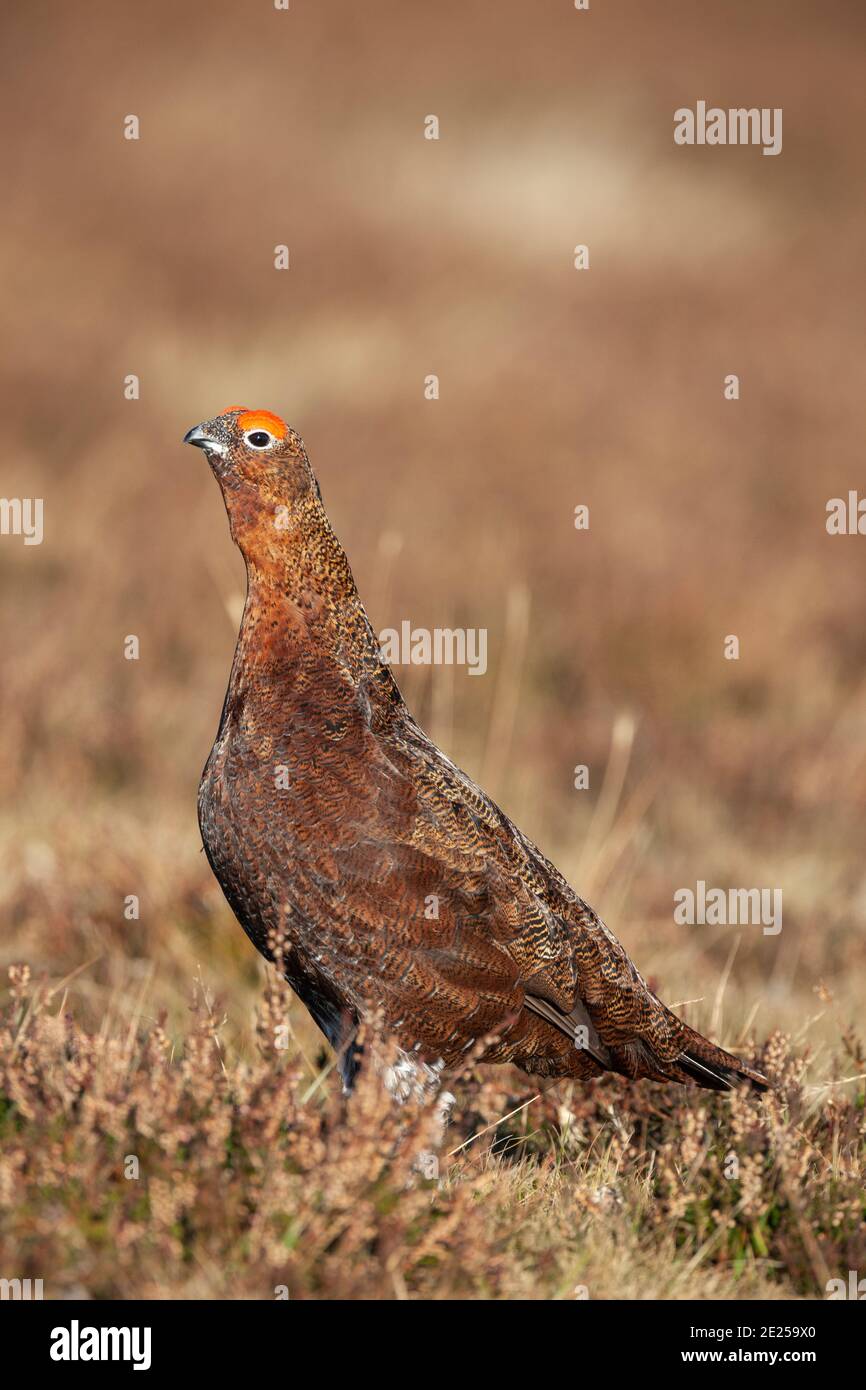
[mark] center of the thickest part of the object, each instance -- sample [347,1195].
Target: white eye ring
[251,435]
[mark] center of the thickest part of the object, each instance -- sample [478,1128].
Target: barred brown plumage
[331,821]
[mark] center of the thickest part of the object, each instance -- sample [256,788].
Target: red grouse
[337,827]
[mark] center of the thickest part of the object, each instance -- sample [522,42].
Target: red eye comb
[262,420]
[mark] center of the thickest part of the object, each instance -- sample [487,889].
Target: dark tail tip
[721,1075]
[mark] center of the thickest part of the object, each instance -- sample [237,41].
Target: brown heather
[253,1177]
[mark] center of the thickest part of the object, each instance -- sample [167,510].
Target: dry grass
[134,1165]
[605,648]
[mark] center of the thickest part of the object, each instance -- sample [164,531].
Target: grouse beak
[198,436]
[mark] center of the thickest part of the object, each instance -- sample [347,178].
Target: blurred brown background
[411,257]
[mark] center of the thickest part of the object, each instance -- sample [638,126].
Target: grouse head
[262,467]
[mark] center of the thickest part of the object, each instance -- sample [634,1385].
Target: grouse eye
[259,439]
